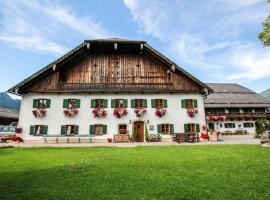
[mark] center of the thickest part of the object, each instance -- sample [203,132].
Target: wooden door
[138,128]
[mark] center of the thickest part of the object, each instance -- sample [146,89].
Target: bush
[262,125]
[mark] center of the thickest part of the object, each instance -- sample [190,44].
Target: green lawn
[173,172]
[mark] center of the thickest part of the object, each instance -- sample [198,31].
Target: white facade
[54,118]
[219,126]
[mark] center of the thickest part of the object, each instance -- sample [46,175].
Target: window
[165,128]
[215,110]
[159,103]
[98,129]
[41,103]
[69,130]
[138,103]
[119,103]
[258,110]
[99,103]
[229,125]
[248,125]
[38,130]
[191,128]
[233,110]
[71,103]
[247,110]
[122,128]
[189,103]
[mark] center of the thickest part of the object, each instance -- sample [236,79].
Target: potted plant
[71,112]
[191,112]
[140,111]
[109,140]
[160,112]
[39,112]
[99,112]
[119,112]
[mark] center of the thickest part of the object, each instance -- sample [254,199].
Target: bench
[186,137]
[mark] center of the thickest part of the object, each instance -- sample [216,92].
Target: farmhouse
[233,109]
[111,88]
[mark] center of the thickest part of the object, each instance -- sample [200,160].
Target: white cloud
[39,26]
[213,36]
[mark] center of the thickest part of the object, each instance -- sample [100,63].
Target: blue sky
[215,40]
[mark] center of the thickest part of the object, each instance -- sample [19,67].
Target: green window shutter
[105,103]
[65,103]
[186,128]
[197,128]
[159,128]
[195,103]
[45,130]
[78,103]
[153,103]
[76,129]
[183,103]
[48,103]
[32,130]
[93,103]
[132,103]
[92,130]
[113,103]
[165,104]
[104,129]
[35,103]
[63,130]
[125,103]
[145,103]
[171,128]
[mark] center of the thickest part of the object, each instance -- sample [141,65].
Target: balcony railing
[116,87]
[241,116]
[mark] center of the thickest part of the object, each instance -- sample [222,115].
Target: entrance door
[138,128]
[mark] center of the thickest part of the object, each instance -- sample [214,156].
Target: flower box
[191,112]
[39,112]
[99,112]
[71,112]
[140,111]
[119,112]
[160,112]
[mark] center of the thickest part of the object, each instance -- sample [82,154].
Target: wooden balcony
[115,87]
[241,116]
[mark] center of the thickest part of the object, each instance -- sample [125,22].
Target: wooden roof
[234,95]
[131,45]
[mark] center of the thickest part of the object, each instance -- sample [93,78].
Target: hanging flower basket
[160,112]
[140,111]
[191,112]
[71,112]
[215,118]
[119,112]
[99,112]
[39,112]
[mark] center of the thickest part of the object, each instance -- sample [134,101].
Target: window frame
[165,129]
[226,125]
[125,128]
[118,104]
[139,103]
[70,102]
[250,123]
[99,103]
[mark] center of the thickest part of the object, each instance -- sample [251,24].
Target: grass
[172,172]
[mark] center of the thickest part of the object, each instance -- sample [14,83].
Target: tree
[264,36]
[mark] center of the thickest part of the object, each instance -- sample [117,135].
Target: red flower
[70,112]
[39,112]
[119,112]
[160,112]
[99,112]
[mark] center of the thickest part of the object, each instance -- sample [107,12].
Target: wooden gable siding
[125,72]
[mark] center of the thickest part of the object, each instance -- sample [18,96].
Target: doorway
[139,131]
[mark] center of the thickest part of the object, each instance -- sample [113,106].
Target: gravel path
[235,139]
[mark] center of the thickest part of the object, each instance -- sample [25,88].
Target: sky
[214,40]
